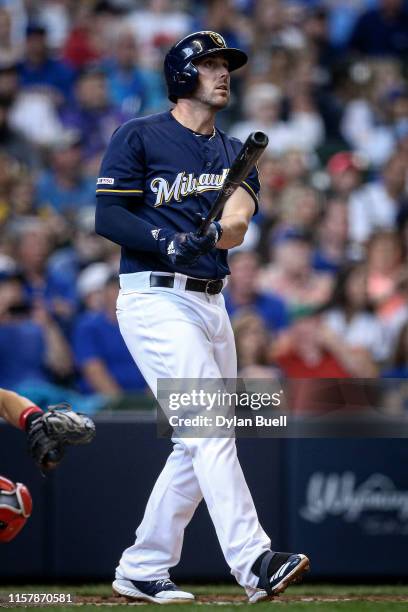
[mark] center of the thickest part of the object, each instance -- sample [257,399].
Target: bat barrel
[258,139]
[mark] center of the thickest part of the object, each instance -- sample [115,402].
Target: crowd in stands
[320,286]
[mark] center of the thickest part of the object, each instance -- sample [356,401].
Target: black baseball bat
[251,151]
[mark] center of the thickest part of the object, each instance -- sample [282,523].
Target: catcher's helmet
[15,508]
[180,72]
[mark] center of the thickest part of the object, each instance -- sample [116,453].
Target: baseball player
[48,433]
[160,175]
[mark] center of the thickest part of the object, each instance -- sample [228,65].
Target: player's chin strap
[263,572]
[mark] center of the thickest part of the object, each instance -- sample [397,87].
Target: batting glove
[186,248]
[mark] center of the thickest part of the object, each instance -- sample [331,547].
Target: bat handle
[204,227]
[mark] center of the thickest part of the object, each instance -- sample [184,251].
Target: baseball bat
[251,151]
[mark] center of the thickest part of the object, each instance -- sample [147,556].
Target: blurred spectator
[104,362]
[385,267]
[92,114]
[31,113]
[84,43]
[252,341]
[10,49]
[64,188]
[39,70]
[35,116]
[22,197]
[133,89]
[11,141]
[54,15]
[290,274]
[367,123]
[382,30]
[42,287]
[274,26]
[82,249]
[351,324]
[91,285]
[9,171]
[156,24]
[242,292]
[345,172]
[387,271]
[309,350]
[331,249]
[222,16]
[303,130]
[299,208]
[316,29]
[398,364]
[31,344]
[296,165]
[376,205]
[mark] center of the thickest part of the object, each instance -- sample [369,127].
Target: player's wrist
[162,237]
[219,231]
[29,414]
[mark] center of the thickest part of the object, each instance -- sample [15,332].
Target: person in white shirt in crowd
[367,123]
[262,104]
[376,204]
[350,319]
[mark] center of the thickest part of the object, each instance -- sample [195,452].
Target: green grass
[226,591]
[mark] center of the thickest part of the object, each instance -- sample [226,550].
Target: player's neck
[196,118]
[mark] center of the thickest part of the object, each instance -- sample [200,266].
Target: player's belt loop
[179,281]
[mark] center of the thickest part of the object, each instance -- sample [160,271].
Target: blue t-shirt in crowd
[52,73]
[171,176]
[96,336]
[134,90]
[321,262]
[271,308]
[64,199]
[22,353]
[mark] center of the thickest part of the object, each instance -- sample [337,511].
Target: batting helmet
[15,508]
[180,72]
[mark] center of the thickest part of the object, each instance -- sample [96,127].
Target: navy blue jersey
[169,176]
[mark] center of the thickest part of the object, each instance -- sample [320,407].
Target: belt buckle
[208,286]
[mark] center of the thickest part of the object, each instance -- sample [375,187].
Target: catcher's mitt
[51,432]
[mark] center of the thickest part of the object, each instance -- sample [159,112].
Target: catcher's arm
[48,432]
[13,405]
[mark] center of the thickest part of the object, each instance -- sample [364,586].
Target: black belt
[211,287]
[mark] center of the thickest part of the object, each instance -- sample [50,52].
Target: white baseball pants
[173,333]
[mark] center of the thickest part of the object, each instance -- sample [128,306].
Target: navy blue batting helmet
[180,72]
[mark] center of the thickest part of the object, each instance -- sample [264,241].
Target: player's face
[214,82]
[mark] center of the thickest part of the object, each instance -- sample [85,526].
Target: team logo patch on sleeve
[104,180]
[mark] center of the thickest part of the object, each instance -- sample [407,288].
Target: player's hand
[51,432]
[187,248]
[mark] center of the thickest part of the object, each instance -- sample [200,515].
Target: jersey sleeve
[123,166]
[251,185]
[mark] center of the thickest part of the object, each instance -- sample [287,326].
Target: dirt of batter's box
[239,599]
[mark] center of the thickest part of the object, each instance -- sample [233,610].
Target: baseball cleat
[289,572]
[157,591]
